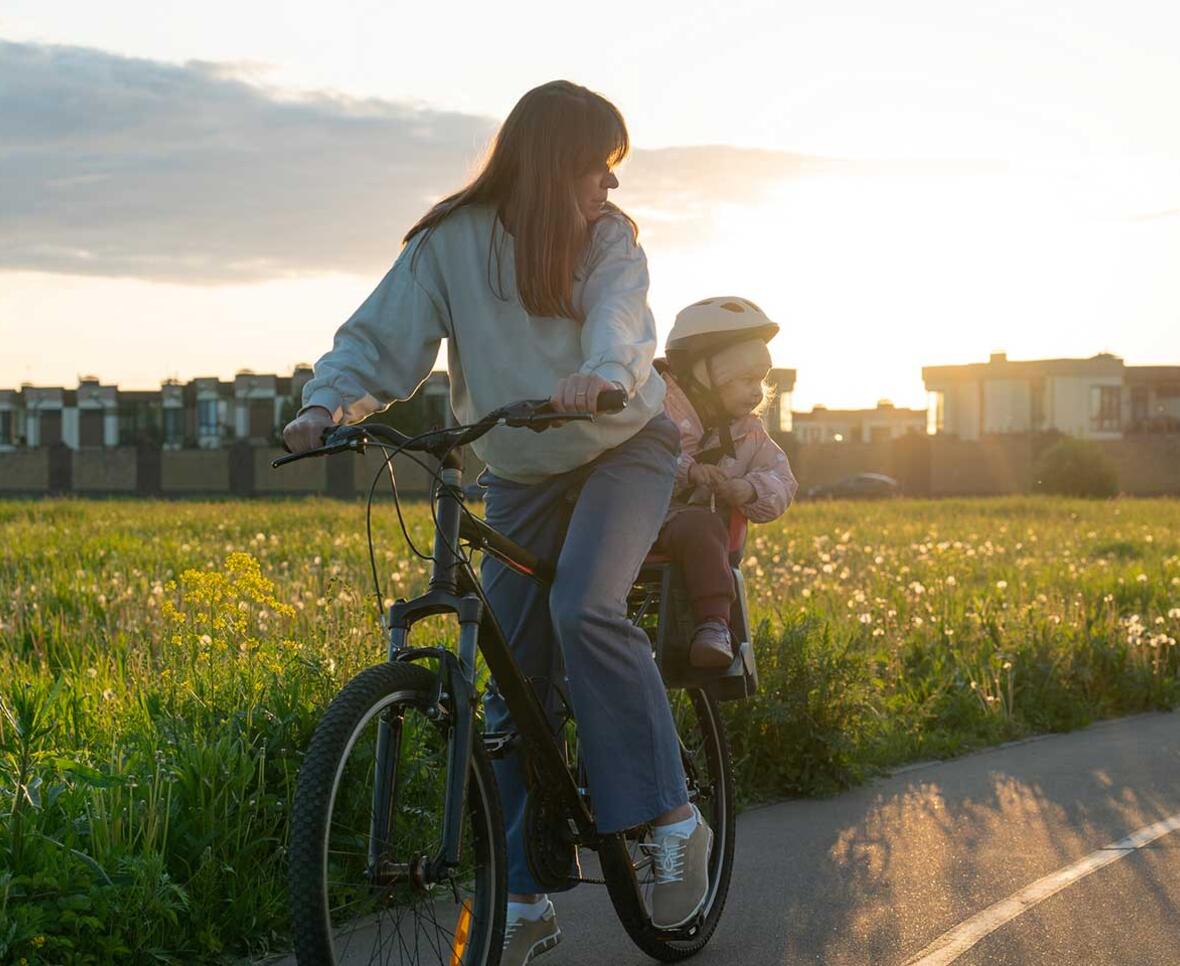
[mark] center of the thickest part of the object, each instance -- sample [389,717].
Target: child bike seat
[659,604]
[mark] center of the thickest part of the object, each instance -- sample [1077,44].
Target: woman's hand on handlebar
[579,393]
[306,431]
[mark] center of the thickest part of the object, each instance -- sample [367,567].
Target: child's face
[742,394]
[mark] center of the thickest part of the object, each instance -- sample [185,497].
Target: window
[90,428]
[50,427]
[207,422]
[1105,406]
[783,401]
[1036,404]
[936,413]
[173,426]
[1139,404]
[5,427]
[262,418]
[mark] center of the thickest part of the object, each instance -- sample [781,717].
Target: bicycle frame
[453,589]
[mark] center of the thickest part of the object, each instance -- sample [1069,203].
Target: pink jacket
[758,460]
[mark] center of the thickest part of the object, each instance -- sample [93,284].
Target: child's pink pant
[698,540]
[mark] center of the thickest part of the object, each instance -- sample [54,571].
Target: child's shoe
[711,645]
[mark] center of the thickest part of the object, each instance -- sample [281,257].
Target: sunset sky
[189,189]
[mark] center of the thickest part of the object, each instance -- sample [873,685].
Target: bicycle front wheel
[356,902]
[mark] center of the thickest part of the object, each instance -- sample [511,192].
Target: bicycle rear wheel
[704,749]
[344,908]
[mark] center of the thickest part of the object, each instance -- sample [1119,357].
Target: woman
[540,288]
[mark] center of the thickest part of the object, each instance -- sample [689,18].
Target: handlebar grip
[612,401]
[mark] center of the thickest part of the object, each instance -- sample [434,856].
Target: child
[715,371]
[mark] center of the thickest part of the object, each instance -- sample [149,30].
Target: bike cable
[391,452]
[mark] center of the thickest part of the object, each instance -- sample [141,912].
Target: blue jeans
[598,522]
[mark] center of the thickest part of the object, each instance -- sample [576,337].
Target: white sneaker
[525,939]
[681,866]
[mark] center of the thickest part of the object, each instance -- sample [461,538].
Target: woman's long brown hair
[556,133]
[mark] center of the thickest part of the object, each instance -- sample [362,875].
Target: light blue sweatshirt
[496,351]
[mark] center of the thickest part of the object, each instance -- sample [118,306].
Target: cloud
[199,173]
[115,166]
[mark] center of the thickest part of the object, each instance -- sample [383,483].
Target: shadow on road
[874,875]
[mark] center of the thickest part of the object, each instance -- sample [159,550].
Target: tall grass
[162,667]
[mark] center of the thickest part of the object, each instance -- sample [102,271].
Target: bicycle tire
[408,690]
[706,726]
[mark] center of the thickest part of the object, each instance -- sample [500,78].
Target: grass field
[163,664]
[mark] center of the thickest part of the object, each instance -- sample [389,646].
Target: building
[1096,398]
[204,413]
[1153,399]
[886,422]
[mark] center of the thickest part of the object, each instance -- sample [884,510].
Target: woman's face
[590,190]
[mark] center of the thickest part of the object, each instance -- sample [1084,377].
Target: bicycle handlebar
[535,414]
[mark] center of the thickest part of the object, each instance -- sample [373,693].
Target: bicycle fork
[455,697]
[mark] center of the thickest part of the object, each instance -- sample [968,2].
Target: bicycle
[397,836]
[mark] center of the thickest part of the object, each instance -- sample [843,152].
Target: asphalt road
[885,873]
[876,875]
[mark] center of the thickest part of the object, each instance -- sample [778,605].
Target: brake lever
[539,414]
[336,440]
[522,413]
[542,421]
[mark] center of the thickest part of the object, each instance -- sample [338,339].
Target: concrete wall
[906,459]
[988,466]
[412,479]
[102,470]
[961,409]
[24,471]
[819,464]
[1006,405]
[1147,465]
[937,466]
[184,471]
[306,476]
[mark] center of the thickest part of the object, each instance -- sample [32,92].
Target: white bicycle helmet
[710,325]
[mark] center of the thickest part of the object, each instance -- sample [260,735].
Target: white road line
[954,942]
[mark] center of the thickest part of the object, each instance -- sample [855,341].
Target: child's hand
[736,492]
[705,474]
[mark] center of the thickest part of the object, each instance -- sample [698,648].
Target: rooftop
[884,410]
[999,366]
